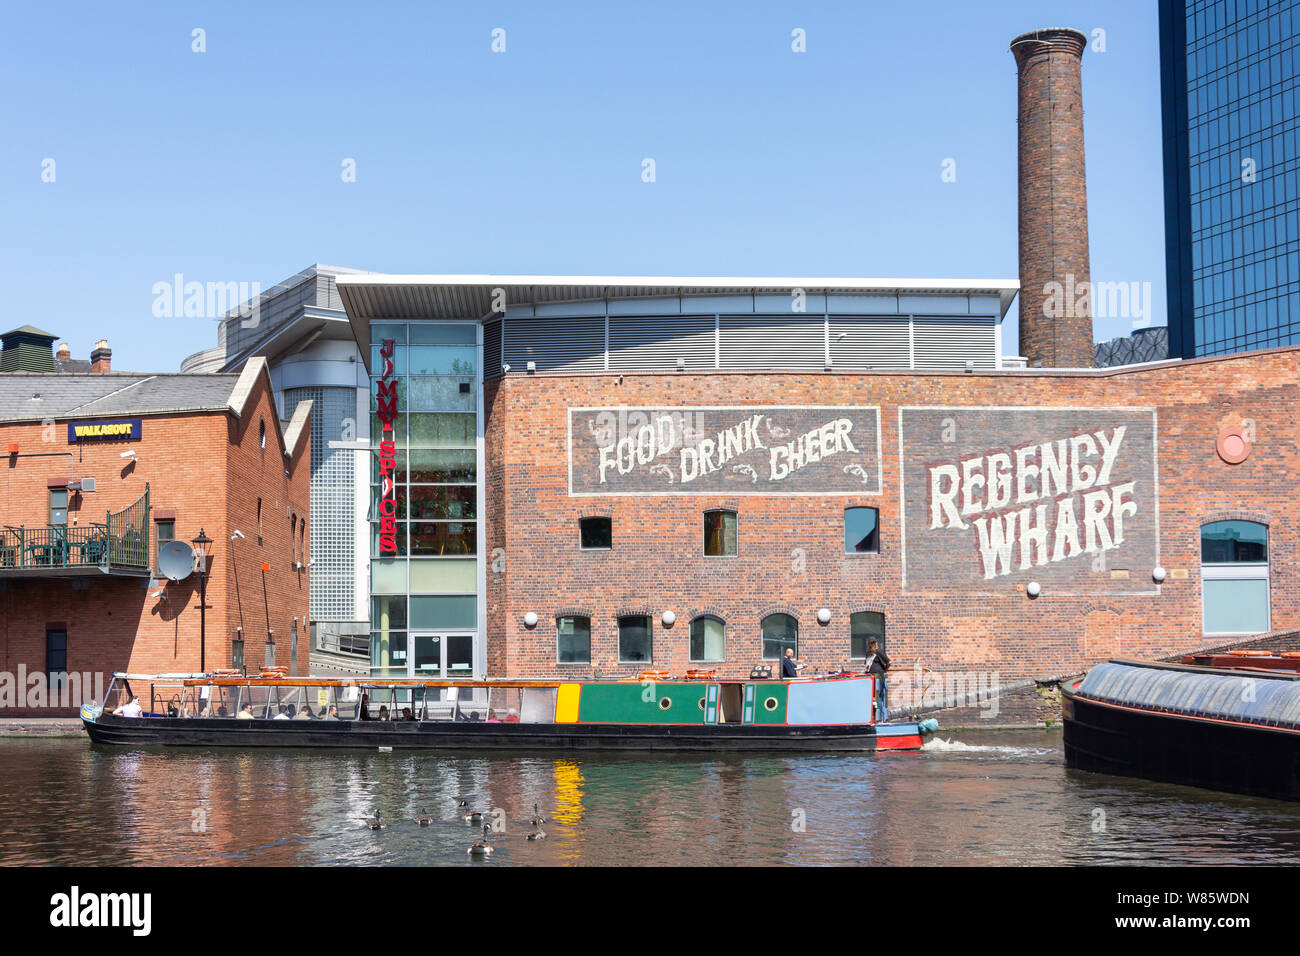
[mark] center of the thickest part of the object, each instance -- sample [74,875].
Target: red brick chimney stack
[63,353]
[1055,295]
[101,357]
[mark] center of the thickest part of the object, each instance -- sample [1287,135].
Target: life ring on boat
[275,673]
[1291,654]
[701,674]
[653,675]
[1251,654]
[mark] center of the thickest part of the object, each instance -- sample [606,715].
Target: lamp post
[203,544]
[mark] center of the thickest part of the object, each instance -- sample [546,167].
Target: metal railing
[357,645]
[121,541]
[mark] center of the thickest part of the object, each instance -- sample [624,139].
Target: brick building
[103,467]
[607,475]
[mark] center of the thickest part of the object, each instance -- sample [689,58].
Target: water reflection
[997,798]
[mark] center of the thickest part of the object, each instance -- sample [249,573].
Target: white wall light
[824,616]
[530,619]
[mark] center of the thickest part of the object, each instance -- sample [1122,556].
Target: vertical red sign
[386,405]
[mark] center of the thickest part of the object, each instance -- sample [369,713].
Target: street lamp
[203,545]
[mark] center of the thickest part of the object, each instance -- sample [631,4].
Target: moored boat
[1222,722]
[700,713]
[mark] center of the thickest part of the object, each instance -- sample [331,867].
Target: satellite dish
[176,560]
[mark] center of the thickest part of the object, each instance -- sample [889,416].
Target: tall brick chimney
[101,357]
[1055,297]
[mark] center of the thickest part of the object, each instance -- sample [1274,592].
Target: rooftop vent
[27,349]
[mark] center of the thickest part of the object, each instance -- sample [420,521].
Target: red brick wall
[656,564]
[253,473]
[209,470]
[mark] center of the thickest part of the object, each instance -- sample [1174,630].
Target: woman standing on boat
[877,664]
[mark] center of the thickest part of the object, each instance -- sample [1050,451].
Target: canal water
[992,797]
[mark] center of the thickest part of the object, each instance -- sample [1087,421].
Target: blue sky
[226,165]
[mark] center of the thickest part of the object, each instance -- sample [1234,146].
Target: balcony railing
[60,546]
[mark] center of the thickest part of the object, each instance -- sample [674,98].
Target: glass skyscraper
[1232,164]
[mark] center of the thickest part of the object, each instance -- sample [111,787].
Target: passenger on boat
[222,712]
[245,712]
[877,663]
[790,666]
[283,714]
[305,713]
[383,711]
[406,714]
[512,716]
[131,708]
[333,714]
[363,712]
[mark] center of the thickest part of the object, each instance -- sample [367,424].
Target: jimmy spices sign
[736,450]
[386,411]
[1066,497]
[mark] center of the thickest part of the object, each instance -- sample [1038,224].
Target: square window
[635,640]
[597,534]
[780,632]
[708,639]
[864,626]
[573,640]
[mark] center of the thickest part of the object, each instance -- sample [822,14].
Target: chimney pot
[101,357]
[63,352]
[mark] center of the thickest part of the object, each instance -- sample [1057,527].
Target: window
[780,631]
[261,433]
[862,627]
[720,534]
[861,531]
[166,532]
[573,640]
[56,655]
[708,639]
[58,506]
[293,538]
[1234,578]
[1234,542]
[259,521]
[597,534]
[635,641]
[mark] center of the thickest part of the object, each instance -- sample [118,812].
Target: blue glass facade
[1232,165]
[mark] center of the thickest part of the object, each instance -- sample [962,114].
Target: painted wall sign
[127,429]
[386,411]
[995,497]
[733,450]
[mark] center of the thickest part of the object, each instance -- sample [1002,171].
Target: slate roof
[28,396]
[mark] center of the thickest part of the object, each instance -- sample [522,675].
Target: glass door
[427,660]
[438,655]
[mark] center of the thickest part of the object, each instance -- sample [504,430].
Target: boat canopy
[1248,696]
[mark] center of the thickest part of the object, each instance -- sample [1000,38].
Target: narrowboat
[651,712]
[1227,722]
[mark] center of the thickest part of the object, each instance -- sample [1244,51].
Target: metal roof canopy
[373,296]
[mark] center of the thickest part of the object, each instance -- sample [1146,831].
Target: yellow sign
[323,697]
